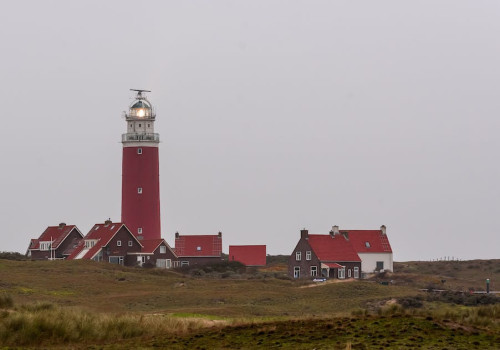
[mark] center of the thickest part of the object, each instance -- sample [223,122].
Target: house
[248,255]
[198,249]
[56,242]
[111,242]
[373,248]
[329,256]
[156,253]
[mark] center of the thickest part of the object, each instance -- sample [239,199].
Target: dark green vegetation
[83,304]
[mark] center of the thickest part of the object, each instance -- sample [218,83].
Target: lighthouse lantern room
[140,170]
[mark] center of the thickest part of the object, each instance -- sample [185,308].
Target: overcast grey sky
[273,116]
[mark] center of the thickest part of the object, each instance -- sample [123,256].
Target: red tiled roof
[102,233]
[336,248]
[56,234]
[377,241]
[249,255]
[150,245]
[200,245]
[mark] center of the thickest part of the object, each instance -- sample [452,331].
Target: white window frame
[45,246]
[356,272]
[163,249]
[139,190]
[308,255]
[139,150]
[118,243]
[314,271]
[349,273]
[298,256]
[376,265]
[184,263]
[296,272]
[168,263]
[130,243]
[341,273]
[139,230]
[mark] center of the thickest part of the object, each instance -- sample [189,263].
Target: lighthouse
[140,170]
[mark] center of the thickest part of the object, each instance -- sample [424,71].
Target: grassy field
[82,304]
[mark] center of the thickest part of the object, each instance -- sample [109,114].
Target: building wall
[69,243]
[369,261]
[112,248]
[157,255]
[200,260]
[141,210]
[305,265]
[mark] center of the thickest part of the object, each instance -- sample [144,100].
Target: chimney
[107,222]
[335,230]
[304,233]
[177,235]
[383,229]
[62,224]
[220,234]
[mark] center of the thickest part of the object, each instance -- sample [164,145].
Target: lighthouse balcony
[131,137]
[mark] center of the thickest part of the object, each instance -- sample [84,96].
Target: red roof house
[198,249]
[329,256]
[56,242]
[373,248]
[248,255]
[111,242]
[156,253]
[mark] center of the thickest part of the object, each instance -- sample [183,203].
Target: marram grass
[48,324]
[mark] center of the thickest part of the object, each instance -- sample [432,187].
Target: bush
[13,256]
[6,301]
[410,302]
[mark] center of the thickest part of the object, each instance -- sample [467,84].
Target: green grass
[82,304]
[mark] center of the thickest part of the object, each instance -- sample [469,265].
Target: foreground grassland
[78,304]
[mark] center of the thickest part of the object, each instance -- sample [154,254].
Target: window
[139,125]
[198,248]
[380,266]
[308,255]
[296,272]
[349,273]
[139,151]
[184,263]
[130,243]
[163,249]
[314,271]
[89,243]
[139,190]
[45,245]
[341,273]
[118,243]
[149,125]
[367,244]
[116,260]
[298,256]
[168,264]
[139,230]
[356,272]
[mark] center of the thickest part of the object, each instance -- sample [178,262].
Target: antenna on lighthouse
[139,91]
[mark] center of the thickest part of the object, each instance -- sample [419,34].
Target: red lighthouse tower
[140,170]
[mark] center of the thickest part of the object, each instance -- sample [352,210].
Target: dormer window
[89,243]
[45,245]
[198,248]
[139,190]
[367,244]
[139,151]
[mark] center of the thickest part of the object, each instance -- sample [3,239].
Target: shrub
[12,256]
[6,301]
